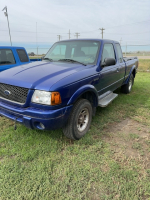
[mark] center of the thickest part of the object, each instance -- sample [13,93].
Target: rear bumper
[33,118]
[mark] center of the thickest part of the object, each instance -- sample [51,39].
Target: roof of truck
[94,39]
[12,47]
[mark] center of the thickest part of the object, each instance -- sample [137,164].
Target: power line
[128,24]
[128,34]
[33,32]
[28,36]
[138,40]
[42,25]
[84,31]
[67,33]
[90,31]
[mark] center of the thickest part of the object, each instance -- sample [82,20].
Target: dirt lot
[129,139]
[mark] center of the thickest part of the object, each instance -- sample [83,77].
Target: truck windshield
[82,51]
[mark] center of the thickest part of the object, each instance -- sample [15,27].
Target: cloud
[86,17]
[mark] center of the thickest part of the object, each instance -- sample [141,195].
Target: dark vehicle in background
[31,54]
[13,56]
[65,88]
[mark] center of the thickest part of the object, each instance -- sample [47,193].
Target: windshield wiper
[48,59]
[71,60]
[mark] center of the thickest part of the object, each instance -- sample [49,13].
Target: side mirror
[108,62]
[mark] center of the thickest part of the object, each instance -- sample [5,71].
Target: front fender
[81,91]
[128,78]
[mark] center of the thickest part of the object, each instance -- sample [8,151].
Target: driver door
[109,74]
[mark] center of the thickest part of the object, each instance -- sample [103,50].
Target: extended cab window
[119,52]
[22,55]
[6,57]
[108,52]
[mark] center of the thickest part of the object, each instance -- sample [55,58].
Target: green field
[111,162]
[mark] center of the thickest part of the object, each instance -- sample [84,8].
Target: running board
[103,102]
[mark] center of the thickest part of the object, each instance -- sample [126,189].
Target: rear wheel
[128,87]
[79,121]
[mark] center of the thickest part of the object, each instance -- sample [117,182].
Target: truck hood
[33,75]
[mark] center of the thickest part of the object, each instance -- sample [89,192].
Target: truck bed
[129,58]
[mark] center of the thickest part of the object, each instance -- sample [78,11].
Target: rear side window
[108,52]
[22,55]
[6,57]
[119,53]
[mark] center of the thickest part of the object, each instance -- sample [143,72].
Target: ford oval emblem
[7,92]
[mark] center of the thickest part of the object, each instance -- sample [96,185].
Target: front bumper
[33,117]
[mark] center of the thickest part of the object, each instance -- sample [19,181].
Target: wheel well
[133,72]
[91,97]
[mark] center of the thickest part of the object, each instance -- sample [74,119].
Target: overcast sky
[125,21]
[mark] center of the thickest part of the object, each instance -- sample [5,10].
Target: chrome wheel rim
[83,119]
[130,84]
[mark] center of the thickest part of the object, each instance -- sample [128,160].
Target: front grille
[13,93]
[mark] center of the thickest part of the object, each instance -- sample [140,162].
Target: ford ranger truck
[64,89]
[11,56]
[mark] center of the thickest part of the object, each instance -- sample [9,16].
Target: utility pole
[126,48]
[59,36]
[102,29]
[6,14]
[77,35]
[69,34]
[36,39]
[120,41]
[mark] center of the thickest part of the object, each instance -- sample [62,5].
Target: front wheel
[127,87]
[79,120]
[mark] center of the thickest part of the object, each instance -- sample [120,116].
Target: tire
[128,87]
[79,120]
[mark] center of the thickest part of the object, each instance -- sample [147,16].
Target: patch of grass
[133,136]
[46,165]
[136,145]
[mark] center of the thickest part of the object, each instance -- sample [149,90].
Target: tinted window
[22,55]
[82,51]
[108,52]
[6,57]
[119,52]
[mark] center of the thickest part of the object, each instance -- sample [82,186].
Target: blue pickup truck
[64,89]
[13,56]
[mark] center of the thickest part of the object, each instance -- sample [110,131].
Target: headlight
[46,98]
